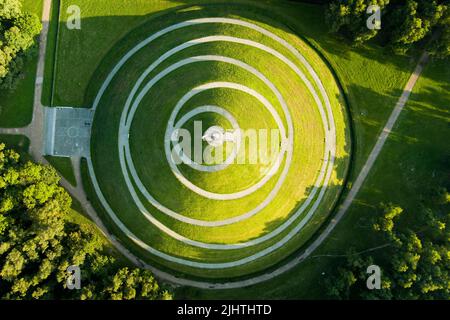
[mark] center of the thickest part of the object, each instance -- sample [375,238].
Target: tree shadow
[305,21]
[365,115]
[16,100]
[375,119]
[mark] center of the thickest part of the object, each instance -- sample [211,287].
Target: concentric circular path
[228,219]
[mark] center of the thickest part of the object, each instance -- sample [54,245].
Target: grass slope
[304,111]
[372,80]
[51,57]
[414,160]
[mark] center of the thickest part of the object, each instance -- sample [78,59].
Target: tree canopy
[404,22]
[18,33]
[38,243]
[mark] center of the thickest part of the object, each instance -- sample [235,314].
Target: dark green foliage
[125,284]
[18,33]
[417,263]
[349,17]
[441,47]
[38,244]
[404,23]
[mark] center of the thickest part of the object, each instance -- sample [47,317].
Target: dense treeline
[38,243]
[416,264]
[405,23]
[18,33]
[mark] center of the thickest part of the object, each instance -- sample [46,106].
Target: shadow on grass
[124,46]
[16,103]
[370,120]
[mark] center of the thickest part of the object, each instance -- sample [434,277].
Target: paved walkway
[35,133]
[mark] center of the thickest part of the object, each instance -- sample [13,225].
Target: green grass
[51,55]
[307,157]
[16,106]
[76,216]
[64,167]
[412,163]
[372,79]
[17,142]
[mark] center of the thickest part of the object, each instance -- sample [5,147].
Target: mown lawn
[413,162]
[79,56]
[372,79]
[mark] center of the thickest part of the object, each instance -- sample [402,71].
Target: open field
[348,71]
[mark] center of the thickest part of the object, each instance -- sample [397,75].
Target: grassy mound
[148,128]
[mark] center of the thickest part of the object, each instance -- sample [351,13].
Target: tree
[18,33]
[349,17]
[405,23]
[386,222]
[349,279]
[418,261]
[38,243]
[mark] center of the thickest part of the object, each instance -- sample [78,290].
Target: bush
[38,243]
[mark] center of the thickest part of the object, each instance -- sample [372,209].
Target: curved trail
[343,208]
[237,138]
[127,117]
[34,132]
